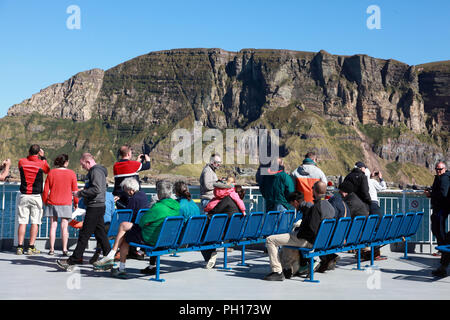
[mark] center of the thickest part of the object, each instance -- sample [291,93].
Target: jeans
[93,224]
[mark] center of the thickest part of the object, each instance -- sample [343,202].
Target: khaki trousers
[286,258]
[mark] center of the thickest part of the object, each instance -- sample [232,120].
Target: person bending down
[145,232]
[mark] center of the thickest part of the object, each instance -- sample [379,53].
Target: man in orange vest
[306,175]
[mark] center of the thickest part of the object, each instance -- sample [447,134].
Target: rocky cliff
[344,107]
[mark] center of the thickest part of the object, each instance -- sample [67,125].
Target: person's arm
[5,173]
[46,190]
[445,185]
[74,188]
[98,180]
[365,195]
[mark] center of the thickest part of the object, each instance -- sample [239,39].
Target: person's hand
[75,194]
[427,193]
[7,163]
[380,175]
[116,198]
[41,153]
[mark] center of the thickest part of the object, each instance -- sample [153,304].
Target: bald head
[319,189]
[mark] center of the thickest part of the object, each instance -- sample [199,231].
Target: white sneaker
[212,261]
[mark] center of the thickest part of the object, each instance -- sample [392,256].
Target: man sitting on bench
[302,236]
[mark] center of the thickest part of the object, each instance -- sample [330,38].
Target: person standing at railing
[29,207]
[275,186]
[306,175]
[4,168]
[207,178]
[359,182]
[374,188]
[57,197]
[440,201]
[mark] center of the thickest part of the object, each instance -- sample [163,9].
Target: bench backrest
[235,227]
[340,232]
[215,228]
[406,223]
[369,227]
[415,224]
[119,216]
[285,221]
[355,230]
[169,233]
[269,224]
[383,228]
[140,213]
[397,221]
[324,234]
[193,231]
[253,225]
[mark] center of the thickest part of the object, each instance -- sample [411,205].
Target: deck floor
[37,277]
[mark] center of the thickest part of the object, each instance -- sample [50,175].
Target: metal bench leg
[225,255]
[157,278]
[243,257]
[405,253]
[311,271]
[358,260]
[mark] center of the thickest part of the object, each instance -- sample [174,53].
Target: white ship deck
[37,277]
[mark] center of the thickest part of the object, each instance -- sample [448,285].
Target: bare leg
[124,247]
[52,235]
[64,233]
[33,233]
[21,234]
[124,227]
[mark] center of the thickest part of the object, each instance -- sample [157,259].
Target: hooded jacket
[221,191]
[151,222]
[360,184]
[305,176]
[94,192]
[275,187]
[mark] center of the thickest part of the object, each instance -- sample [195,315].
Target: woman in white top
[374,188]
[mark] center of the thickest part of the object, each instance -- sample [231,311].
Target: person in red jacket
[29,200]
[58,197]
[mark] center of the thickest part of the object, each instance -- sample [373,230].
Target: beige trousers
[286,258]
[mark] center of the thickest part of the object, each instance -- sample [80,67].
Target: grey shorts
[58,211]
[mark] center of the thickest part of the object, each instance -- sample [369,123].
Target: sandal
[65,253]
[51,253]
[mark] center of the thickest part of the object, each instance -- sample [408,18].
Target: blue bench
[346,234]
[221,232]
[444,248]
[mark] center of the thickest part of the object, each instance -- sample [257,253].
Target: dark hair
[240,191]
[181,190]
[34,150]
[296,195]
[60,160]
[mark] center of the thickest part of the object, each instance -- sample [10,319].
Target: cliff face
[151,94]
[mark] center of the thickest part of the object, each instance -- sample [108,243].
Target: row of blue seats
[346,234]
[221,231]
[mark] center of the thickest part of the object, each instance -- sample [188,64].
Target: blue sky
[37,49]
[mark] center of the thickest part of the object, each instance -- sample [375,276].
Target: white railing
[391,202]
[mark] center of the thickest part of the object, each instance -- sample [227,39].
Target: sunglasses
[438,169]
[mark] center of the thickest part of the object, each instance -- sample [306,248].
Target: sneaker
[19,251]
[94,257]
[212,261]
[150,270]
[65,265]
[439,272]
[32,251]
[274,276]
[116,273]
[104,264]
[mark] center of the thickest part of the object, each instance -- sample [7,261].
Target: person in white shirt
[374,188]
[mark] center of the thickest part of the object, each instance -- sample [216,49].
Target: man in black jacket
[94,195]
[359,183]
[305,234]
[354,203]
[440,201]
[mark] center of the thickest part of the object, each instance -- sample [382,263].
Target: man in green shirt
[145,232]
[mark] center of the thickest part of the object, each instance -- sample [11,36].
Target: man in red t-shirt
[29,201]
